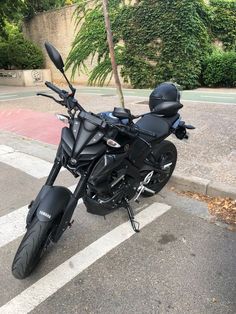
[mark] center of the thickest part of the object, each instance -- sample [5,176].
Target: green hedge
[20,53]
[220,69]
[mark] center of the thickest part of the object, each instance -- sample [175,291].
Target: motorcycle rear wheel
[162,154]
[32,248]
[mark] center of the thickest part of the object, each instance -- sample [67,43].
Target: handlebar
[55,89]
[133,130]
[129,130]
[72,103]
[68,99]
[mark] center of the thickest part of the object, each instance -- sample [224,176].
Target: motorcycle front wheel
[163,158]
[32,248]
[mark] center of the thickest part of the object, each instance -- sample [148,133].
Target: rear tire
[31,249]
[163,153]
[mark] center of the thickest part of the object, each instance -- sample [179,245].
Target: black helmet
[165,92]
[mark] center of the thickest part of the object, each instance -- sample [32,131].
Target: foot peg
[143,187]
[141,190]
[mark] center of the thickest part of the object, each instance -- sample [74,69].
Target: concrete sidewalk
[210,152]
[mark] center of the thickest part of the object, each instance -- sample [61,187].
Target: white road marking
[228,97]
[4,149]
[12,225]
[210,102]
[9,99]
[28,299]
[208,92]
[5,96]
[31,165]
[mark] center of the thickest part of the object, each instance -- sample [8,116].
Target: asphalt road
[180,262]
[220,96]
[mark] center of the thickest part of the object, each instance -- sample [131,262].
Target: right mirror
[55,56]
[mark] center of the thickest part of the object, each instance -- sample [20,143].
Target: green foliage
[9,12]
[224,22]
[166,40]
[90,41]
[33,7]
[17,10]
[220,69]
[20,53]
[4,60]
[155,41]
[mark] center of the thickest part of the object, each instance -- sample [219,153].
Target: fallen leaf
[223,209]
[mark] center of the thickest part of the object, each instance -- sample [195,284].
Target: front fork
[70,206]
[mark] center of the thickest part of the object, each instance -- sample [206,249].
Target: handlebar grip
[54,88]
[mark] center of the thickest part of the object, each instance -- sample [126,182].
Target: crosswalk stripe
[31,165]
[28,299]
[12,225]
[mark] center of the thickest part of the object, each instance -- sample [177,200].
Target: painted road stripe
[208,92]
[5,96]
[28,299]
[12,225]
[216,96]
[31,165]
[18,97]
[200,102]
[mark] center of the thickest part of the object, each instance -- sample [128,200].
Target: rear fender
[50,202]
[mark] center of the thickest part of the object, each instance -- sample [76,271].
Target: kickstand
[134,223]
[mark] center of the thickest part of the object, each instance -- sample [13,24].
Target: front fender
[51,201]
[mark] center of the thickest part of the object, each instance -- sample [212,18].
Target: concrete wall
[57,27]
[24,77]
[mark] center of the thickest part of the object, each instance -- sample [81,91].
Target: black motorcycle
[115,158]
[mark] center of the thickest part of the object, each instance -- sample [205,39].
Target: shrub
[23,54]
[4,61]
[220,69]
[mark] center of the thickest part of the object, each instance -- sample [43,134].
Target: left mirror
[55,56]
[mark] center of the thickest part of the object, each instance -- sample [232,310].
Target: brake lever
[49,96]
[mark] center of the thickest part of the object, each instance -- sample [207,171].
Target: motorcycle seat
[171,120]
[159,125]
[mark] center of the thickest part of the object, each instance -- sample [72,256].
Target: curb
[203,186]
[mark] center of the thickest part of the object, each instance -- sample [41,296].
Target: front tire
[162,154]
[32,247]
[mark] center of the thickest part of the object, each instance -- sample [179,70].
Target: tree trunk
[112,52]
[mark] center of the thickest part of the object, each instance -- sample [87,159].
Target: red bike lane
[40,126]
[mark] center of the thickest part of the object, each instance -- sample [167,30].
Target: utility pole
[112,52]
